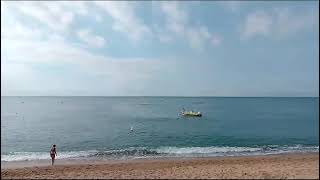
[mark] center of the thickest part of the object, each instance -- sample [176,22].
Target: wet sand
[300,165]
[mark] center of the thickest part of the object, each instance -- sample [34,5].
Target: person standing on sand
[53,153]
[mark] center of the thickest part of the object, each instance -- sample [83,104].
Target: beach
[284,166]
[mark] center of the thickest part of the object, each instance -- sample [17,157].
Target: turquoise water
[99,127]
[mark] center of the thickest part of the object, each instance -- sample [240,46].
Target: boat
[191,113]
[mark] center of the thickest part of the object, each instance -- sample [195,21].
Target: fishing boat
[190,113]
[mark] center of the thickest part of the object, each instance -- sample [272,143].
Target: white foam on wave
[26,156]
[169,151]
[205,150]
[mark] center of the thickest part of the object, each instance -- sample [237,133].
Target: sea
[99,128]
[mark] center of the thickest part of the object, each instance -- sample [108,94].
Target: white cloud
[86,36]
[110,75]
[177,23]
[51,14]
[289,22]
[280,22]
[257,23]
[58,16]
[176,14]
[19,31]
[197,37]
[125,19]
[175,17]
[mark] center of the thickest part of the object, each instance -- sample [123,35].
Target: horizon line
[157,96]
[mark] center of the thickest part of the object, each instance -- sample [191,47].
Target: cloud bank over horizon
[157,48]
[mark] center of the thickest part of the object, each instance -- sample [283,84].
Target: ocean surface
[99,127]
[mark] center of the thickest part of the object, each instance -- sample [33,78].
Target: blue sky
[159,48]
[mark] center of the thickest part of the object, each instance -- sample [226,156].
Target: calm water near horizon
[99,127]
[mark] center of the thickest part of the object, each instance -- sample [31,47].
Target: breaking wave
[144,152]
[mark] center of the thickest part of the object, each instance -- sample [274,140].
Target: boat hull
[198,115]
[192,114]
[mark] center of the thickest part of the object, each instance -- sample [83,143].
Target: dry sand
[303,165]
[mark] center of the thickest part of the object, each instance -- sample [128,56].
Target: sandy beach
[285,166]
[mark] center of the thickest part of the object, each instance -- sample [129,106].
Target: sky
[160,48]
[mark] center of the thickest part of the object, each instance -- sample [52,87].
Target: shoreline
[85,161]
[289,165]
